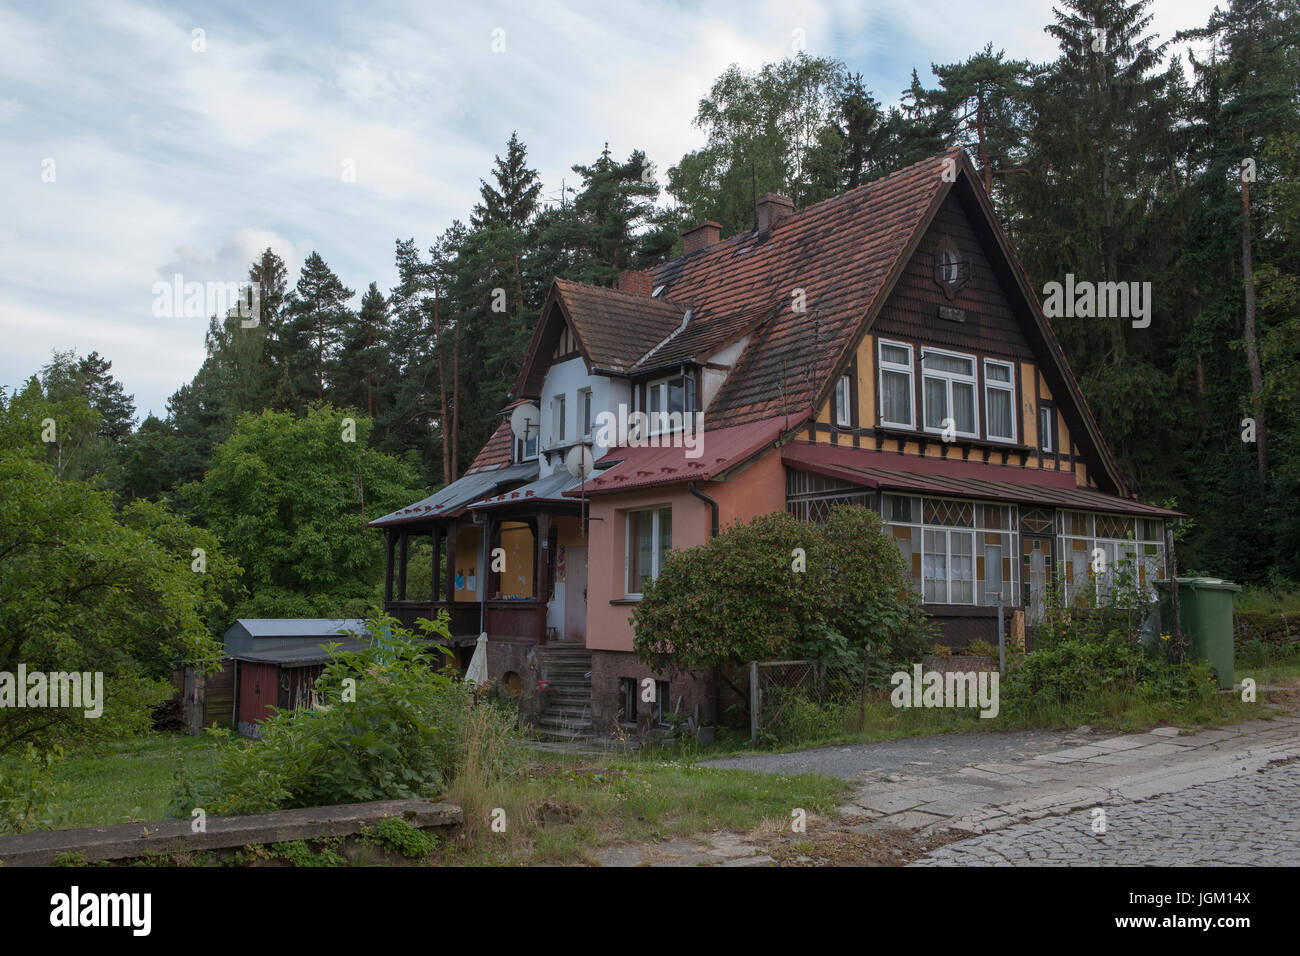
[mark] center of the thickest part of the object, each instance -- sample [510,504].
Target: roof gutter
[713,506]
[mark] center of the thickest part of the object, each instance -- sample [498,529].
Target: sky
[140,141]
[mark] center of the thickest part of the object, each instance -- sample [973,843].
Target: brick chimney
[636,282]
[698,237]
[772,209]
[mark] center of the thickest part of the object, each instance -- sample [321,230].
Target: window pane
[644,543]
[665,537]
[936,402]
[1045,429]
[934,568]
[677,396]
[963,400]
[948,363]
[963,567]
[999,411]
[897,397]
[997,373]
[894,354]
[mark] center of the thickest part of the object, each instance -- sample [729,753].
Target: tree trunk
[442,387]
[1252,345]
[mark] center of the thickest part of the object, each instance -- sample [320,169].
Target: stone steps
[566,712]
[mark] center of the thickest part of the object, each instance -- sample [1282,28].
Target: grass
[127,781]
[557,809]
[1283,599]
[562,809]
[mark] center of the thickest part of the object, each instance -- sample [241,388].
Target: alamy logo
[73,909]
[1101,300]
[950,689]
[74,690]
[651,430]
[200,300]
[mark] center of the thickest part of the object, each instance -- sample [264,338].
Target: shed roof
[281,627]
[308,652]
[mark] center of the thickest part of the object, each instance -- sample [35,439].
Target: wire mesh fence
[793,700]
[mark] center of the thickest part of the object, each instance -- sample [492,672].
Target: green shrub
[401,736]
[981,648]
[398,835]
[777,588]
[28,790]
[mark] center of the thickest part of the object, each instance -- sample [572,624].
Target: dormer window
[526,450]
[950,272]
[666,397]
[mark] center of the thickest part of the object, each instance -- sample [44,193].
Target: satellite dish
[525,421]
[579,461]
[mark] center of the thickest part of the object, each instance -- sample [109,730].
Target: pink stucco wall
[756,489]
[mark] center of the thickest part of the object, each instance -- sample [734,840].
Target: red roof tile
[961,479]
[617,328]
[495,453]
[721,450]
[841,253]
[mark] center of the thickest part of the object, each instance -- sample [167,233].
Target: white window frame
[586,405]
[1009,541]
[843,399]
[521,448]
[894,367]
[1047,442]
[561,420]
[655,538]
[948,533]
[1009,388]
[661,385]
[948,378]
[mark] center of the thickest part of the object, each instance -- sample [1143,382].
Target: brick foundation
[695,688]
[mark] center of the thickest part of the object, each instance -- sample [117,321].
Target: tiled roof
[961,479]
[495,453]
[721,450]
[841,253]
[617,328]
[702,337]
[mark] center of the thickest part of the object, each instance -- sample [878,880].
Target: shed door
[259,691]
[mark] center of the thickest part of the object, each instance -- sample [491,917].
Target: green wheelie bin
[1205,606]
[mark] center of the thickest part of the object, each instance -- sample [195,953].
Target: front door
[575,595]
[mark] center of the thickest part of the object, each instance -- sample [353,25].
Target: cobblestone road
[1251,819]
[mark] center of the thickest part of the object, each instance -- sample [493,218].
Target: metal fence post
[1002,639]
[753,702]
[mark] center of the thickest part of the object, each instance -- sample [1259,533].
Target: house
[881,348]
[268,662]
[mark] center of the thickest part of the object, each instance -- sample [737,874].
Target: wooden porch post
[401,566]
[541,570]
[450,539]
[435,541]
[390,539]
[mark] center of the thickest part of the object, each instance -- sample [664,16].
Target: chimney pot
[701,236]
[636,282]
[772,208]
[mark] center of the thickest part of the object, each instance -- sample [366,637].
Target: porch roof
[458,494]
[960,479]
[548,489]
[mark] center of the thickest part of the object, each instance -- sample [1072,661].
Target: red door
[259,689]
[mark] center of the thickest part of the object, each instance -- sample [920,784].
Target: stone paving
[1251,819]
[1105,771]
[1227,796]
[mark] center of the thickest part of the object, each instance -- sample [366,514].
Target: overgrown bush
[390,723]
[778,587]
[28,790]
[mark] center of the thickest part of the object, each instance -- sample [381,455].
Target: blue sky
[167,159]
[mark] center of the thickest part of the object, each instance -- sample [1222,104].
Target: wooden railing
[464,614]
[517,620]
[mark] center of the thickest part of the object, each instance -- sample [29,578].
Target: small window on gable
[950,272]
[843,395]
[584,409]
[1046,431]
